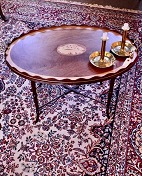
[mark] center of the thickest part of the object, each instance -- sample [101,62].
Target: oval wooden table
[60,55]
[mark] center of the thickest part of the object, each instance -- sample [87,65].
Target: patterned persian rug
[73,136]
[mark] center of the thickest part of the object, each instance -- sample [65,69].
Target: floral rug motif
[73,137]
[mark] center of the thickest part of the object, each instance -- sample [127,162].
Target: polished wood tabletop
[47,55]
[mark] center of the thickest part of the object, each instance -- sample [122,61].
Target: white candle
[104,37]
[125,27]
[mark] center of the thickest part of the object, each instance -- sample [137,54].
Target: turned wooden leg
[2,15]
[35,100]
[109,97]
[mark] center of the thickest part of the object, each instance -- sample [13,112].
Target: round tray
[126,52]
[108,61]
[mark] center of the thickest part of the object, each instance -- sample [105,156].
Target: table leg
[35,100]
[2,15]
[109,97]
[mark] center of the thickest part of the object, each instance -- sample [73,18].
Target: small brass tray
[128,49]
[108,61]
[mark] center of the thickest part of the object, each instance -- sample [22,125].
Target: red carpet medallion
[73,137]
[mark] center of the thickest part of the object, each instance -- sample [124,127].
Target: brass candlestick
[103,47]
[102,59]
[122,48]
[124,35]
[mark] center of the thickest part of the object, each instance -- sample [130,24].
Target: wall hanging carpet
[73,136]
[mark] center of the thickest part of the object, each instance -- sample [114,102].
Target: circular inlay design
[71,49]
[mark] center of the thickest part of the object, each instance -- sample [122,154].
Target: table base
[69,89]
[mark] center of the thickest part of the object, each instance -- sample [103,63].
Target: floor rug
[73,137]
